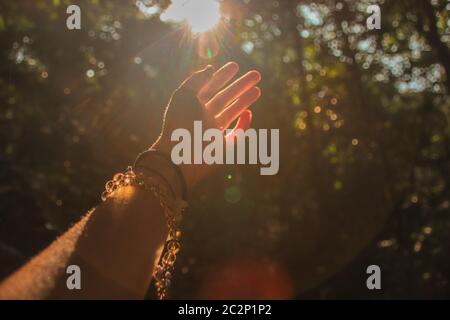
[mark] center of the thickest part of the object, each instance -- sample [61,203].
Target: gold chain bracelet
[173,210]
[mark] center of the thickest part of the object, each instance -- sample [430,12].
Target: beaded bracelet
[173,210]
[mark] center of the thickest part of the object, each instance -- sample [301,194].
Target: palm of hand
[201,98]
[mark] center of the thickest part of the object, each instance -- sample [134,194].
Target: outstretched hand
[204,97]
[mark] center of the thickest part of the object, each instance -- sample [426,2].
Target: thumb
[198,79]
[243,123]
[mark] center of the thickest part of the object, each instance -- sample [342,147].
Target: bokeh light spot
[248,280]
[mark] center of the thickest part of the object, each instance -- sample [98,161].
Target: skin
[116,244]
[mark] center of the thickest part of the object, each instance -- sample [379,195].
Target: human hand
[202,97]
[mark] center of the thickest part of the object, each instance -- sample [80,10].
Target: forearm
[114,246]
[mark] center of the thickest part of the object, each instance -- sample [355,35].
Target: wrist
[165,147]
[158,164]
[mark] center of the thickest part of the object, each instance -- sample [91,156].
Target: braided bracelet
[173,210]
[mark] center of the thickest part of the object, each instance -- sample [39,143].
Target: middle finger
[232,92]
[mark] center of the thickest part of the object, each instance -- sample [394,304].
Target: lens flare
[201,15]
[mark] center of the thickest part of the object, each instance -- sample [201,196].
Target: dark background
[365,140]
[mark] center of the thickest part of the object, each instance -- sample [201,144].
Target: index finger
[218,80]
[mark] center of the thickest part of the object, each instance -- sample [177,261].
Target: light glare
[201,15]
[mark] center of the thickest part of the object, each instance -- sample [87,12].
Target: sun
[201,15]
